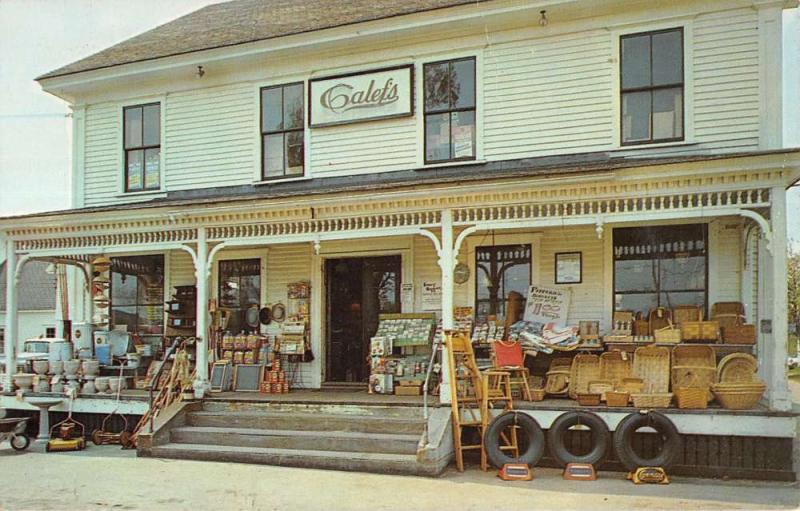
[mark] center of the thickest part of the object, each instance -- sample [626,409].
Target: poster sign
[547,305]
[407,296]
[431,296]
[359,97]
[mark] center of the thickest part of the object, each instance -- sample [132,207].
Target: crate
[739,334]
[700,331]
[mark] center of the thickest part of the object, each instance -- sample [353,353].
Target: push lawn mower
[69,435]
[13,430]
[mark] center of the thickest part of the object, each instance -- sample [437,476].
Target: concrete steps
[361,438]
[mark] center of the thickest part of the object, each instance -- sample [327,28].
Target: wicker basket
[660,318]
[737,367]
[707,331]
[739,398]
[653,400]
[537,394]
[601,387]
[557,377]
[614,366]
[585,368]
[692,397]
[739,334]
[651,364]
[587,399]
[641,326]
[668,334]
[631,385]
[683,313]
[617,398]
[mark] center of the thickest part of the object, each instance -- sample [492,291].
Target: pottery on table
[115,384]
[40,366]
[23,381]
[56,367]
[101,384]
[90,367]
[57,385]
[89,387]
[71,367]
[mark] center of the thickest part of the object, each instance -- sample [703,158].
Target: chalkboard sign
[221,376]
[247,377]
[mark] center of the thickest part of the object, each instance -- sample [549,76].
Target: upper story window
[652,87]
[450,110]
[142,147]
[282,124]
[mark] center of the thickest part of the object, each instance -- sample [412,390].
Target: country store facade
[453,152]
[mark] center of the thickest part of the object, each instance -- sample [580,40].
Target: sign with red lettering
[547,305]
[359,97]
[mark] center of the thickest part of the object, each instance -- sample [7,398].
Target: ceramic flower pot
[91,367]
[40,366]
[71,367]
[89,387]
[23,381]
[56,367]
[101,384]
[57,387]
[42,385]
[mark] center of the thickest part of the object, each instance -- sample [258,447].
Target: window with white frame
[450,128]
[652,87]
[282,131]
[142,145]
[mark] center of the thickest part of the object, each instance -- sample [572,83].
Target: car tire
[623,440]
[601,438]
[491,440]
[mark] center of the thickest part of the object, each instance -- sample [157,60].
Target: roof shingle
[37,288]
[245,21]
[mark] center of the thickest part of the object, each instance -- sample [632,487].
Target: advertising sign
[547,305]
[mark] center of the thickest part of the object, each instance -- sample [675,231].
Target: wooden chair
[509,357]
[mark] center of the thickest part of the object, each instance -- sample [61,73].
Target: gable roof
[245,21]
[37,288]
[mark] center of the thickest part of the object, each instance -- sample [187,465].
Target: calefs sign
[367,96]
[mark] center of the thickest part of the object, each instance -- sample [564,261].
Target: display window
[137,294]
[239,288]
[499,271]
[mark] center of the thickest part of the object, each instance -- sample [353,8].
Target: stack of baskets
[731,319]
[738,388]
[694,370]
[652,364]
[584,369]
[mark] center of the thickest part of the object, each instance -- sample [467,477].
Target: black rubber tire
[601,437]
[531,428]
[623,440]
[22,446]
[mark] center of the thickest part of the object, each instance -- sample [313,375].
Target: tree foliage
[794,285]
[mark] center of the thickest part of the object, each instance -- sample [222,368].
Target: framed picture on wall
[569,268]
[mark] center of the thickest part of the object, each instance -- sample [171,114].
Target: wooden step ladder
[473,396]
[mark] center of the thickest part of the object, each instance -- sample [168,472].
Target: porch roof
[543,166]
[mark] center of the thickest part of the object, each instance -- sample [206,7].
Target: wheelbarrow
[13,430]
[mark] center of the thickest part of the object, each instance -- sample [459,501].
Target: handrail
[425,412]
[157,375]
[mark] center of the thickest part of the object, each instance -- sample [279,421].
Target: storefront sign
[547,305]
[431,296]
[379,94]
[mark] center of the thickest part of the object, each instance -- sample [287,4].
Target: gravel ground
[109,478]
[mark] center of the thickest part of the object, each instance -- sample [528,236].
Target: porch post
[11,316]
[777,291]
[202,275]
[446,263]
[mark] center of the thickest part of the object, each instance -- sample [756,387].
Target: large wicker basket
[585,368]
[668,334]
[651,364]
[692,397]
[739,397]
[739,334]
[614,366]
[737,368]
[617,398]
[694,366]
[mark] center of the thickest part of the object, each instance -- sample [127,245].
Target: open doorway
[359,289]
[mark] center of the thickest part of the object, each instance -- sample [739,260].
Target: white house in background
[37,302]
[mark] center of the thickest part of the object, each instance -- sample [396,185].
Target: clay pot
[23,381]
[40,366]
[56,367]
[91,367]
[71,367]
[101,384]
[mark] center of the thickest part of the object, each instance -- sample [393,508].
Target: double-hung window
[282,125]
[142,146]
[450,110]
[500,270]
[652,87]
[137,294]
